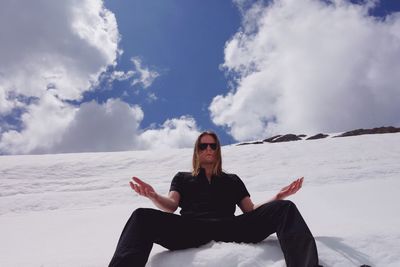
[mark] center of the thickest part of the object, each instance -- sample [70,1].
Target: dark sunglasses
[203,146]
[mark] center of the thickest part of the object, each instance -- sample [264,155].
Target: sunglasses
[203,146]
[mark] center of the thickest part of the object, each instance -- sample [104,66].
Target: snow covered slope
[69,209]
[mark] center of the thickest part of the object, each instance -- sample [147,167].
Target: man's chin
[208,162]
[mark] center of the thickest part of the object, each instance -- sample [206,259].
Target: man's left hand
[290,189]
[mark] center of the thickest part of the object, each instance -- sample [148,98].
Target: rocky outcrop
[379,130]
[251,143]
[286,138]
[318,136]
[294,137]
[271,139]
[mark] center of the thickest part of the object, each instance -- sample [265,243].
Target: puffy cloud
[51,53]
[145,76]
[140,77]
[111,126]
[6,104]
[60,45]
[310,65]
[151,97]
[178,132]
[53,126]
[44,124]
[121,75]
[115,126]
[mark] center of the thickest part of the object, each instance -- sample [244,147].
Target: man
[208,198]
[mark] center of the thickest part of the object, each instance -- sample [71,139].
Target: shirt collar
[202,175]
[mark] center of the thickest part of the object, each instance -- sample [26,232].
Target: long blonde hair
[217,168]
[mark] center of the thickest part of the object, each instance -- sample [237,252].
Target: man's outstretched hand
[290,189]
[142,188]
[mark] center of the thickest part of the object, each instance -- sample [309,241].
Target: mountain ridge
[296,137]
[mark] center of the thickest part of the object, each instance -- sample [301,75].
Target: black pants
[148,226]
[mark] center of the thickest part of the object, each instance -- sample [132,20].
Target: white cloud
[6,104]
[112,126]
[178,132]
[121,75]
[309,65]
[151,97]
[44,124]
[140,74]
[51,53]
[49,44]
[53,126]
[145,76]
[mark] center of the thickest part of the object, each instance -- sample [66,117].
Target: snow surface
[69,209]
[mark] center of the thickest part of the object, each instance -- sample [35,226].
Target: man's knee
[287,204]
[287,207]
[143,214]
[277,209]
[282,203]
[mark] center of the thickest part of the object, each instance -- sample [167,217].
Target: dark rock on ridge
[271,139]
[317,136]
[251,143]
[293,137]
[379,130]
[286,138]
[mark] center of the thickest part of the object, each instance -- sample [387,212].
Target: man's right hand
[168,204]
[143,188]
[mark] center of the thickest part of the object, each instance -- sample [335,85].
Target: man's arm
[168,204]
[247,205]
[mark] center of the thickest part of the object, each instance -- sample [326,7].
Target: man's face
[208,155]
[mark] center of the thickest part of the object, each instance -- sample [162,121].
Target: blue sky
[183,41]
[122,75]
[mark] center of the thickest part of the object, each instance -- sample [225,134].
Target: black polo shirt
[200,198]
